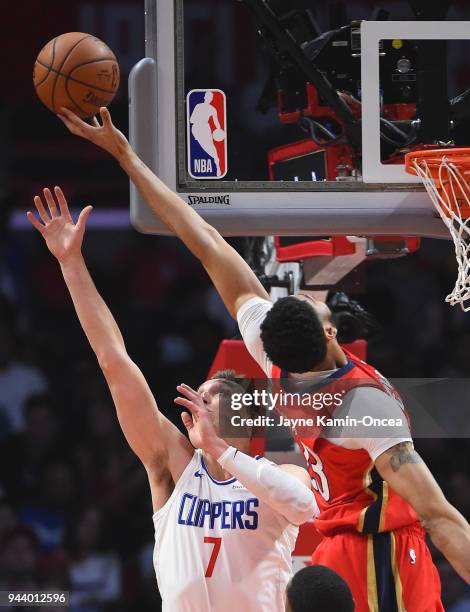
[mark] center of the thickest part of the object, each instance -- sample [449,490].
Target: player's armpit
[155,440]
[161,483]
[405,471]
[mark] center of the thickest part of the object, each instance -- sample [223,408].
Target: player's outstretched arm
[231,275]
[404,470]
[286,489]
[156,441]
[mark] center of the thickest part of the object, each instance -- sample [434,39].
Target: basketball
[78,71]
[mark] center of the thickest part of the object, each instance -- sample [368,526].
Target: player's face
[216,393]
[211,392]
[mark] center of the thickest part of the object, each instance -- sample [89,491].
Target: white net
[457,188]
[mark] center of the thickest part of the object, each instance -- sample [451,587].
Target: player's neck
[215,469]
[335,358]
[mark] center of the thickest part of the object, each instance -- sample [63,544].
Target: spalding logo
[221,199]
[92,98]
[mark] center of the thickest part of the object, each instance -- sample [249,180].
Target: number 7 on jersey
[215,552]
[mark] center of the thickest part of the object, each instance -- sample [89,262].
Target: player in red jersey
[376,495]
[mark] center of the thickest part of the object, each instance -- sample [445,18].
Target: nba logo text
[206,133]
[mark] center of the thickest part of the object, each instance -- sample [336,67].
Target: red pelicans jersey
[375,541]
[349,491]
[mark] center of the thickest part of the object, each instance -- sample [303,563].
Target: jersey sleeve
[250,317]
[360,405]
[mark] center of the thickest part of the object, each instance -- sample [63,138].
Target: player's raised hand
[63,237]
[199,423]
[104,134]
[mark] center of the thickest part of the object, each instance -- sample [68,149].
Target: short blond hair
[231,376]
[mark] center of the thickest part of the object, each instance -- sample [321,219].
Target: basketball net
[449,190]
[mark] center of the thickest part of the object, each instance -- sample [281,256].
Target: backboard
[243,128]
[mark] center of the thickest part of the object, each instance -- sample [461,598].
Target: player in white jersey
[225,523]
[224,530]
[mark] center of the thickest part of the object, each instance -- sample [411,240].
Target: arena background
[74,501]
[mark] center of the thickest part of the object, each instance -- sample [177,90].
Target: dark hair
[317,588]
[293,336]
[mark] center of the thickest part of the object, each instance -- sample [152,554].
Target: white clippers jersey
[219,548]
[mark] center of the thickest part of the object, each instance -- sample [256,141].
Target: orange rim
[459,157]
[456,197]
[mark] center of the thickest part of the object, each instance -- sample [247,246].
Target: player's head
[317,588]
[296,332]
[208,96]
[222,383]
[218,391]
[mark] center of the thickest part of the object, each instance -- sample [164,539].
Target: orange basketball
[78,71]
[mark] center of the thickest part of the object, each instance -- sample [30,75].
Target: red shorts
[387,572]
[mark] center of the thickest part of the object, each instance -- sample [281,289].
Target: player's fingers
[41,210]
[83,218]
[95,122]
[51,203]
[187,420]
[106,117]
[188,391]
[74,123]
[67,117]
[186,403]
[34,222]
[63,206]
[64,119]
[70,126]
[191,395]
[70,115]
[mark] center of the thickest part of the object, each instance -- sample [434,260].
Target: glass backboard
[245,128]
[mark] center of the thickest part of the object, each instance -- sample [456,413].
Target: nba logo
[206,133]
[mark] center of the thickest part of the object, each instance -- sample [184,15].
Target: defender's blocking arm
[154,439]
[405,471]
[231,275]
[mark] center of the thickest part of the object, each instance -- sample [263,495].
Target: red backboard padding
[232,355]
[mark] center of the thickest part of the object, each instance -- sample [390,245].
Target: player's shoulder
[370,400]
[368,393]
[252,306]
